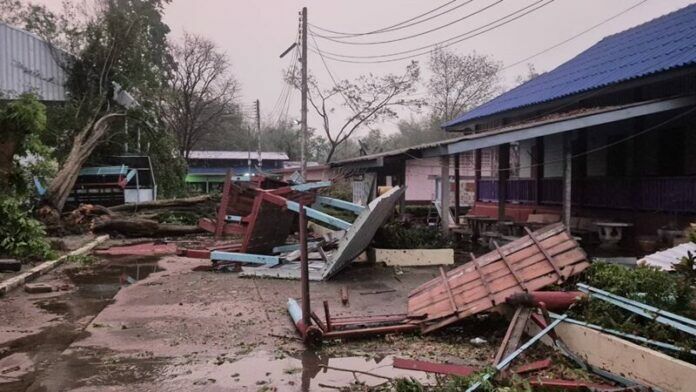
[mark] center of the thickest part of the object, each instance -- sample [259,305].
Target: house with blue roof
[607,137]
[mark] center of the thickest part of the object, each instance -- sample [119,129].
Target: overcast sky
[254,32]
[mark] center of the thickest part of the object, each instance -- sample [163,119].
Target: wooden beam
[514,333]
[509,265]
[453,304]
[457,181]
[567,178]
[477,174]
[444,194]
[503,175]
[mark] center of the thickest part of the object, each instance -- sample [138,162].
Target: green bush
[21,236]
[645,284]
[399,235]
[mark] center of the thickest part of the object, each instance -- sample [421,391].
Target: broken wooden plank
[546,254]
[509,265]
[432,367]
[344,295]
[514,333]
[533,366]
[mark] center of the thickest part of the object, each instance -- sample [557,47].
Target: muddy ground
[175,329]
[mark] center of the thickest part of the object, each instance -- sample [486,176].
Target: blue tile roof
[662,44]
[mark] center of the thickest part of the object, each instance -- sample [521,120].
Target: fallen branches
[183,202]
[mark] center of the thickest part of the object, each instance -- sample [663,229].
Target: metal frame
[244,258]
[340,204]
[318,215]
[641,309]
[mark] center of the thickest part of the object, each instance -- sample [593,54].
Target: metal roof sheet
[662,44]
[667,258]
[265,155]
[27,64]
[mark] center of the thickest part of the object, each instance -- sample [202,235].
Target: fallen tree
[157,204]
[137,227]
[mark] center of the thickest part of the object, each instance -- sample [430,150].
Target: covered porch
[630,163]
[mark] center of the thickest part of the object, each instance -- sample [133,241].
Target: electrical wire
[575,36]
[441,44]
[417,34]
[392,27]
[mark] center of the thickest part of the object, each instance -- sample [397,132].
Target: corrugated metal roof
[27,64]
[265,155]
[667,258]
[663,44]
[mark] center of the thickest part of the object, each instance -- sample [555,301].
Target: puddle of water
[307,373]
[95,288]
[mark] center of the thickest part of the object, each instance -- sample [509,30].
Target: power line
[467,16]
[392,27]
[441,44]
[574,36]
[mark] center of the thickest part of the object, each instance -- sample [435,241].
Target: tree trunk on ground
[136,227]
[188,201]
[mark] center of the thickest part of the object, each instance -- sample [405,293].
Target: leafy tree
[460,82]
[369,99]
[114,46]
[22,155]
[201,92]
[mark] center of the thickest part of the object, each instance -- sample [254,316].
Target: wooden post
[402,183]
[477,174]
[304,266]
[444,193]
[539,169]
[503,175]
[567,178]
[456,189]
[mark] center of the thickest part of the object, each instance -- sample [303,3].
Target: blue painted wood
[244,258]
[320,216]
[292,247]
[233,218]
[310,185]
[340,204]
[295,310]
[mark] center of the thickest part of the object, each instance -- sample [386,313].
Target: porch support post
[402,183]
[477,174]
[503,175]
[538,170]
[456,188]
[567,178]
[444,193]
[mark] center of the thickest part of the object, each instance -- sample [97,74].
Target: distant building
[207,168]
[30,64]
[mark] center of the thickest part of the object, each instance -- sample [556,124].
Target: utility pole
[258,130]
[303,148]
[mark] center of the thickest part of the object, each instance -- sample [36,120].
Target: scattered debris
[377,292]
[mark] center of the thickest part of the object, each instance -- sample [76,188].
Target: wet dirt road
[174,329]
